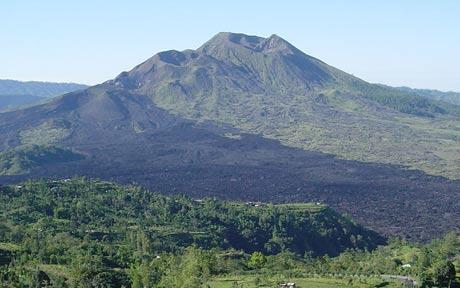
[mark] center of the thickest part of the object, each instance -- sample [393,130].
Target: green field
[310,207]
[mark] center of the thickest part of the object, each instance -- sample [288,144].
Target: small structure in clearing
[288,285]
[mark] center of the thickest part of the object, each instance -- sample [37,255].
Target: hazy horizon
[410,44]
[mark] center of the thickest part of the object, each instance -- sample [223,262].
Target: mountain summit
[253,118]
[225,40]
[247,64]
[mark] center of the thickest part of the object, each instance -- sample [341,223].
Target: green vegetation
[20,160]
[47,133]
[104,210]
[400,100]
[78,233]
[449,97]
[397,263]
[255,281]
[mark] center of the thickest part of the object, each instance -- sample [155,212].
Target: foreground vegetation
[78,233]
[397,264]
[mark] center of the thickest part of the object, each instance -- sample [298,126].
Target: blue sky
[412,43]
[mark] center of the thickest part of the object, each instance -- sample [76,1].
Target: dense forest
[80,233]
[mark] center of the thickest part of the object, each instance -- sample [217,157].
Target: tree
[188,270]
[257,260]
[443,273]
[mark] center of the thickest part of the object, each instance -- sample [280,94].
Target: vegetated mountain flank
[20,160]
[15,94]
[239,117]
[449,96]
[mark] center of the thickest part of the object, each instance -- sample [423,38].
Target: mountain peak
[276,43]
[228,39]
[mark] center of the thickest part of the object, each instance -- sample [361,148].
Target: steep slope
[239,117]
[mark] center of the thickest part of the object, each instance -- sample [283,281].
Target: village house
[287,285]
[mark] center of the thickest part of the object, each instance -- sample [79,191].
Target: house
[287,285]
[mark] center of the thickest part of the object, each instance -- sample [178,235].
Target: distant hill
[36,88]
[449,97]
[9,101]
[253,118]
[15,94]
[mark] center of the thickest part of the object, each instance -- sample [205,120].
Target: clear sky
[400,42]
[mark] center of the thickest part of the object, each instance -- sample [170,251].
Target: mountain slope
[246,117]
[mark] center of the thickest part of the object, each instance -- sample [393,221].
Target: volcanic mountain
[252,118]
